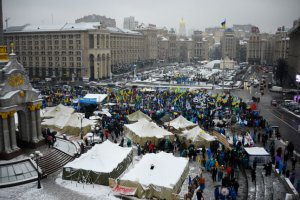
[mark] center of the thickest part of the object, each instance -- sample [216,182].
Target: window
[70,47]
[71,58]
[64,58]
[50,64]
[56,42]
[50,58]
[70,36]
[43,58]
[78,58]
[70,41]
[37,58]
[56,58]
[63,37]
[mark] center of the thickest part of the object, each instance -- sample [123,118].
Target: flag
[223,24]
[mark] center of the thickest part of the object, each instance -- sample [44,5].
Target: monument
[18,97]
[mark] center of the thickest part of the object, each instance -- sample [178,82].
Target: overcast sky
[198,14]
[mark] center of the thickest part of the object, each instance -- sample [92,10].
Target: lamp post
[81,117]
[36,156]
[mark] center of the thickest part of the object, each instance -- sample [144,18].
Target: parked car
[273,102]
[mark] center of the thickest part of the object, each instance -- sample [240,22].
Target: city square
[90,110]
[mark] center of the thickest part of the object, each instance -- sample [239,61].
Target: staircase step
[54,161]
[251,186]
[268,182]
[259,185]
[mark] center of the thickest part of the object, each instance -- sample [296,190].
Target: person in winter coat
[199,194]
[128,143]
[122,142]
[217,193]
[139,151]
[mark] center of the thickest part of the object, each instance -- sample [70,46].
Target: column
[109,66]
[6,138]
[95,69]
[34,138]
[105,47]
[13,138]
[38,123]
[100,68]
[104,67]
[95,41]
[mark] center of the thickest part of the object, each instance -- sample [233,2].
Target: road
[275,116]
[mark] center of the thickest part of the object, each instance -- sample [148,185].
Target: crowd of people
[225,113]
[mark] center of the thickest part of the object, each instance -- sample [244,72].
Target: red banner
[124,190]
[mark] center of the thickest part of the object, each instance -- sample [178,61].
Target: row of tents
[106,164]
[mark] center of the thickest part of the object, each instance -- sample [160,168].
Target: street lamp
[36,156]
[81,117]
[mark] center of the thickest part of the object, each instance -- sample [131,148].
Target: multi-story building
[172,46]
[1,24]
[182,28]
[127,47]
[105,22]
[150,42]
[281,45]
[254,48]
[229,44]
[75,50]
[130,23]
[294,49]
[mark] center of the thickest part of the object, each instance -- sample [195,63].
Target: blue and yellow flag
[223,24]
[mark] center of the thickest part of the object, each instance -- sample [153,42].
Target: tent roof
[99,97]
[162,161]
[166,118]
[137,116]
[103,157]
[144,128]
[256,151]
[196,133]
[181,123]
[57,111]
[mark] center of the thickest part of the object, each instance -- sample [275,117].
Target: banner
[124,190]
[88,100]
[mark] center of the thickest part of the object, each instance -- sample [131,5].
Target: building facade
[182,28]
[130,23]
[281,45]
[294,49]
[229,44]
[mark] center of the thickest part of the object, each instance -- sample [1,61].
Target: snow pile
[101,158]
[162,174]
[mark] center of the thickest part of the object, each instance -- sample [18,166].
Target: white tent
[59,111]
[144,130]
[103,161]
[64,119]
[257,153]
[181,123]
[198,136]
[136,116]
[153,176]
